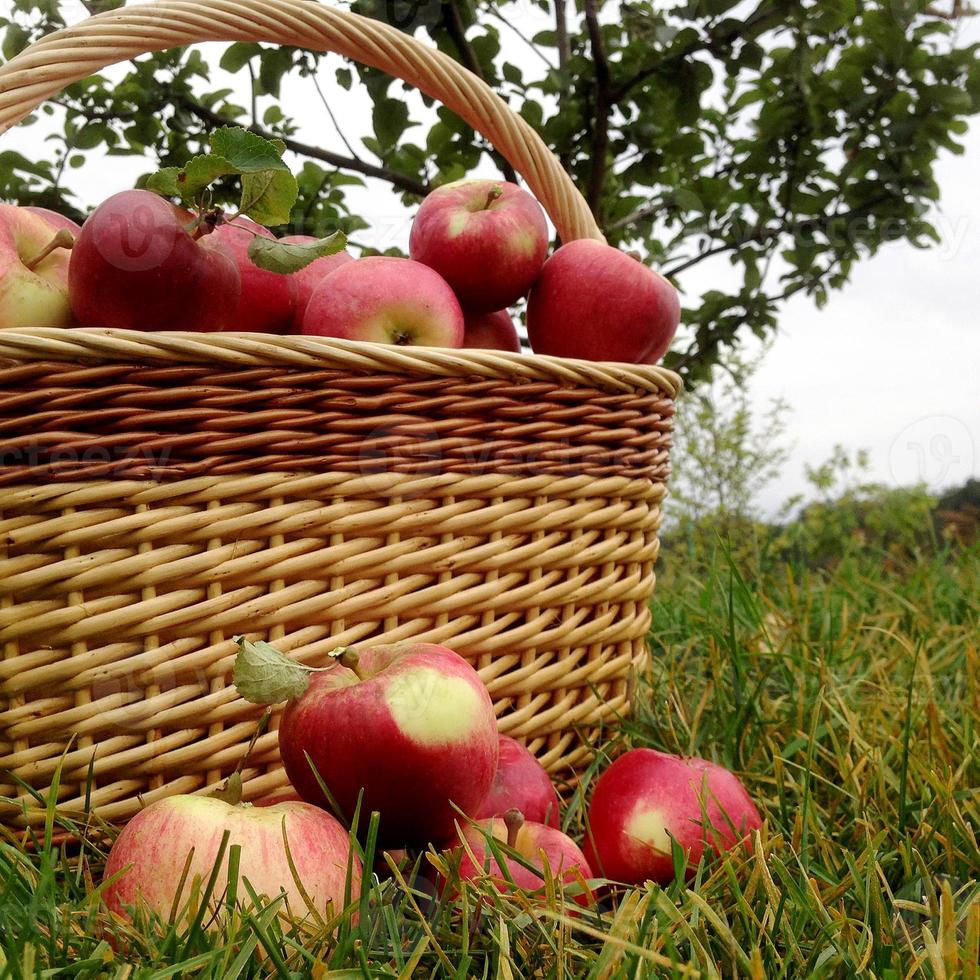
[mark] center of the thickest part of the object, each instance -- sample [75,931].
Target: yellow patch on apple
[458,223]
[432,708]
[647,828]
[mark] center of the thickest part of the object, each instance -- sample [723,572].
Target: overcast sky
[890,364]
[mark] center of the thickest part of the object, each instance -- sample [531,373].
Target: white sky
[890,364]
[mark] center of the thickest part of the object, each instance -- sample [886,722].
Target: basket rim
[103,344]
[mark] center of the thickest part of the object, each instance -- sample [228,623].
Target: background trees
[770,142]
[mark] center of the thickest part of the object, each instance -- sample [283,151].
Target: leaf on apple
[263,675]
[249,153]
[276,256]
[268,196]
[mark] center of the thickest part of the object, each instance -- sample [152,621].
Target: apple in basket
[136,264]
[56,219]
[306,280]
[594,302]
[520,783]
[291,848]
[537,845]
[647,800]
[265,303]
[408,730]
[486,238]
[491,331]
[33,269]
[386,300]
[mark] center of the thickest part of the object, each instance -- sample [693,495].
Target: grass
[846,699]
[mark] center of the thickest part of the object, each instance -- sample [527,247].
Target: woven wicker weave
[162,493]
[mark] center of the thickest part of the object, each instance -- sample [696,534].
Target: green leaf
[15,40]
[164,182]
[390,121]
[91,135]
[238,56]
[200,172]
[251,154]
[268,197]
[287,257]
[263,675]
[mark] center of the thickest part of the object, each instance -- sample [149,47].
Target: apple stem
[514,820]
[260,730]
[495,192]
[351,661]
[231,791]
[62,239]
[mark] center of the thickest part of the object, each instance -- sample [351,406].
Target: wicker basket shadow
[162,493]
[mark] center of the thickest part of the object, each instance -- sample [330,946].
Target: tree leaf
[238,56]
[263,675]
[164,182]
[287,257]
[251,154]
[200,172]
[390,121]
[268,197]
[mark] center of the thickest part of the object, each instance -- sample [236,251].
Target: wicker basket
[161,493]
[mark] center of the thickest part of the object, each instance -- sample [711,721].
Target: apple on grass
[520,783]
[407,731]
[265,303]
[304,282]
[486,238]
[137,264]
[34,261]
[388,301]
[647,801]
[596,303]
[288,847]
[491,331]
[537,844]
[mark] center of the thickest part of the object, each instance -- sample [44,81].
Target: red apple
[137,265]
[521,783]
[53,218]
[491,331]
[646,799]
[266,300]
[594,302]
[486,238]
[536,843]
[33,270]
[304,282]
[411,726]
[155,845]
[387,301]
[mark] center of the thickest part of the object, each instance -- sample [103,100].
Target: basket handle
[73,53]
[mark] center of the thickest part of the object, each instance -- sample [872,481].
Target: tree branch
[457,31]
[773,232]
[561,35]
[564,55]
[401,181]
[494,12]
[603,106]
